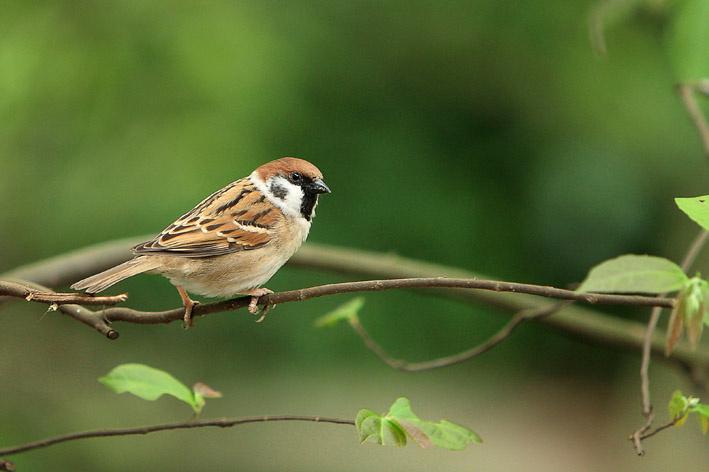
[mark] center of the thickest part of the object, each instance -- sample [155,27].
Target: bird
[233,241]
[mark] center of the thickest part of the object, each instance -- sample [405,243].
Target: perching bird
[234,240]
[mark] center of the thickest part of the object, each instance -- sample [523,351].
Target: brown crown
[287,165]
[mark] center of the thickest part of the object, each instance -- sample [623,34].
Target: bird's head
[292,184]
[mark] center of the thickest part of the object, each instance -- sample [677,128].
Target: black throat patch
[310,199]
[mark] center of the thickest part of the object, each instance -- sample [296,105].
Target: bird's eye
[295,177]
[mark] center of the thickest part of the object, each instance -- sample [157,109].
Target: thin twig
[686,93]
[637,437]
[19,290]
[79,313]
[497,338]
[217,422]
[660,428]
[690,257]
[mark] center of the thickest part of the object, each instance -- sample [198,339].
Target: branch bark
[18,290]
[217,422]
[144,317]
[587,324]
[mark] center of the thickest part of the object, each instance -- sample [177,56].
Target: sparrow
[233,241]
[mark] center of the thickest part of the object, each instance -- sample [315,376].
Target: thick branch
[217,422]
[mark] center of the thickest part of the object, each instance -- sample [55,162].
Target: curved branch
[686,93]
[216,422]
[494,340]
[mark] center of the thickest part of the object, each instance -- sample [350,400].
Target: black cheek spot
[279,191]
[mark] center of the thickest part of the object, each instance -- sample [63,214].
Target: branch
[79,313]
[686,93]
[218,422]
[589,325]
[497,338]
[109,315]
[597,25]
[19,290]
[660,428]
[647,410]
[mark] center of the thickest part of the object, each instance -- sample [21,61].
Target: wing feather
[235,218]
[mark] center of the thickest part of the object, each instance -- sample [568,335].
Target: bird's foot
[187,320]
[253,308]
[189,304]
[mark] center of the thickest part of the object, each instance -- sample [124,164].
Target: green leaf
[400,422]
[149,383]
[444,434]
[635,274]
[701,409]
[697,208]
[689,40]
[678,408]
[373,427]
[364,424]
[704,423]
[347,311]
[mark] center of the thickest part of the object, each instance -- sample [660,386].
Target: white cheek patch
[280,192]
[294,196]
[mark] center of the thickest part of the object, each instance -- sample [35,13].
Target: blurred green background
[480,134]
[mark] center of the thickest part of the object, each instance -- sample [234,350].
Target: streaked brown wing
[235,218]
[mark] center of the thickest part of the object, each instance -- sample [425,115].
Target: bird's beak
[318,186]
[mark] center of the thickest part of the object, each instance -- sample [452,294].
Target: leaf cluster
[401,423]
[633,273]
[680,407]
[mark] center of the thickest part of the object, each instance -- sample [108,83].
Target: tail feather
[101,281]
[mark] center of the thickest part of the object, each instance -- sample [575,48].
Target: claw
[189,304]
[264,312]
[253,305]
[253,308]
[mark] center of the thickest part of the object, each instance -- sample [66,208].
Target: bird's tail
[101,281]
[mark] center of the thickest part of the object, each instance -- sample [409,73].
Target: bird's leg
[253,304]
[189,304]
